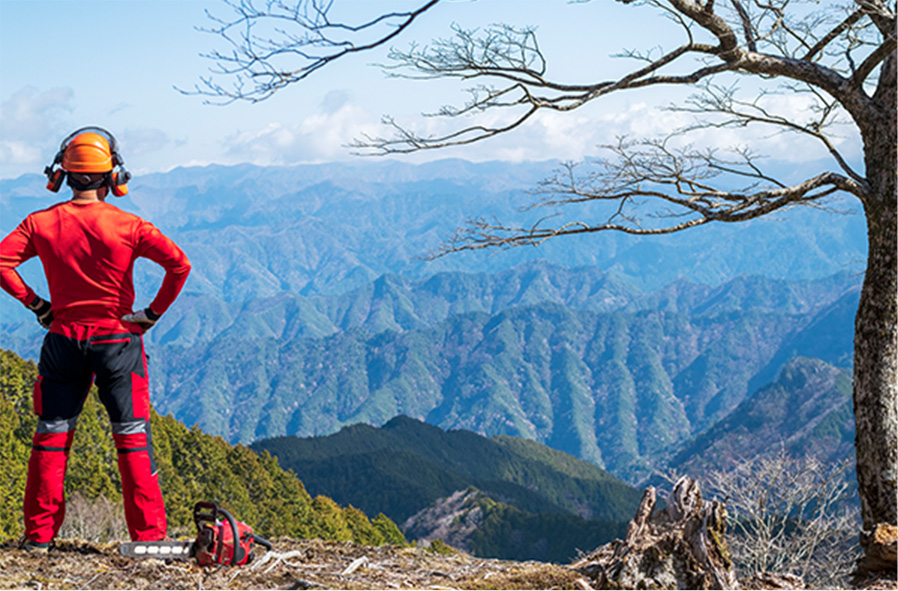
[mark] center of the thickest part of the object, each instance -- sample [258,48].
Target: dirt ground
[298,564]
[292,564]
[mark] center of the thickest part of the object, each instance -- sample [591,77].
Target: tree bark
[876,323]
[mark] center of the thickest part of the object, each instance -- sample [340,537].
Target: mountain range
[506,497]
[517,498]
[254,232]
[308,309]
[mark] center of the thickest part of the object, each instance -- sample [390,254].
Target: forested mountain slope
[517,498]
[406,465]
[615,388]
[806,411]
[193,467]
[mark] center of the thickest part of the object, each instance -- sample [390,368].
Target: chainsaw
[225,542]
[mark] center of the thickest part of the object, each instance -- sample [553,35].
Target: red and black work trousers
[69,364]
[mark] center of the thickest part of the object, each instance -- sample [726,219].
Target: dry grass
[294,564]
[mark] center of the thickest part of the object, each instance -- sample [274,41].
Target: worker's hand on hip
[145,318]
[43,310]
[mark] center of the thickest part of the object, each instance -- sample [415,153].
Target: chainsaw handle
[261,541]
[204,511]
[238,554]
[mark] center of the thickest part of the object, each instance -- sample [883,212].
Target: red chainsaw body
[228,542]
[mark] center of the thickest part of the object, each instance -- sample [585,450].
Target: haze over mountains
[308,309]
[324,229]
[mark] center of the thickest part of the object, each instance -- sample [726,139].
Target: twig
[354,565]
[278,557]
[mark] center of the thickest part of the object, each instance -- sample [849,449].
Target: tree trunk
[876,323]
[876,373]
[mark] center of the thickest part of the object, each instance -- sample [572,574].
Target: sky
[118,64]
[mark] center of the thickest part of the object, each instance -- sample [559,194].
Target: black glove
[146,318]
[43,310]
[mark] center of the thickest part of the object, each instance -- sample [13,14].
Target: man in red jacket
[87,248]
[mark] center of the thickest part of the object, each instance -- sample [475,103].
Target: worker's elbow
[185,267]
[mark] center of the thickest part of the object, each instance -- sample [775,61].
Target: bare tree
[98,520]
[789,515]
[840,55]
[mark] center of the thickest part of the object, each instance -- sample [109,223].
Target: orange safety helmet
[87,152]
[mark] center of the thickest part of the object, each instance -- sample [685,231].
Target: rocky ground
[292,564]
[680,547]
[305,564]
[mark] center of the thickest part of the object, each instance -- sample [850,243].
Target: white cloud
[14,152]
[32,123]
[32,115]
[319,137]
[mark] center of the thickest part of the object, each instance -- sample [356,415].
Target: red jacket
[88,252]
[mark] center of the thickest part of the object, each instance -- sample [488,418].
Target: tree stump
[681,548]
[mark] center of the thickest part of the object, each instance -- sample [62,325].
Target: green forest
[522,500]
[407,464]
[193,467]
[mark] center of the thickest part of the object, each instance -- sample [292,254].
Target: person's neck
[92,196]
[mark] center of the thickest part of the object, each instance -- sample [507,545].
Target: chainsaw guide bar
[162,549]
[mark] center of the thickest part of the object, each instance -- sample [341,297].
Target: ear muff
[55,174]
[118,182]
[55,177]
[118,176]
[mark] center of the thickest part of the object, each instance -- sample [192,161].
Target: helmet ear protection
[55,176]
[117,177]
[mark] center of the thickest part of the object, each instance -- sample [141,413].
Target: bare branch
[530,88]
[873,60]
[314,44]
[746,25]
[406,141]
[715,99]
[637,181]
[789,515]
[833,34]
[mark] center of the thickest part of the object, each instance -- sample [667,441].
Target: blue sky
[115,63]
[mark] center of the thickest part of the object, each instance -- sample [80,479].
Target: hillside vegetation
[617,387]
[526,501]
[407,464]
[193,466]
[805,412]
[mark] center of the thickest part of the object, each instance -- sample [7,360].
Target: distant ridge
[806,411]
[324,229]
[556,501]
[407,464]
